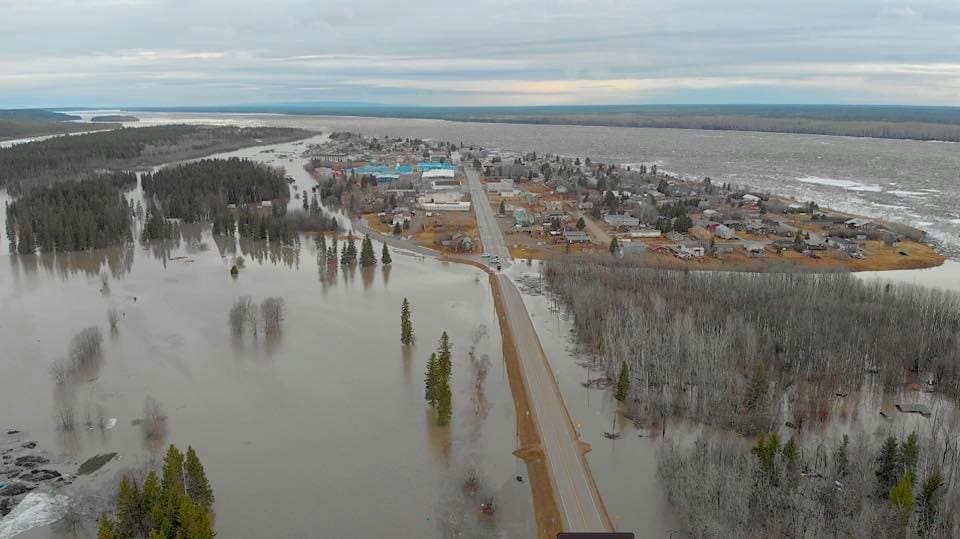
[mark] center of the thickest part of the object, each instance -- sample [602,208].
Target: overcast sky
[477,52]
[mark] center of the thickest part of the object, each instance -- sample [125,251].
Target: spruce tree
[623,383]
[444,403]
[888,466]
[614,246]
[444,356]
[406,326]
[367,257]
[385,258]
[129,509]
[843,460]
[107,529]
[430,380]
[197,485]
[909,452]
[757,392]
[928,502]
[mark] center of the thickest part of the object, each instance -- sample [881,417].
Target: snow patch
[35,509]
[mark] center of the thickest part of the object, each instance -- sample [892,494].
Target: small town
[549,204]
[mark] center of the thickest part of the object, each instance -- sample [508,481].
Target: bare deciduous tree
[273,311]
[85,345]
[113,316]
[60,371]
[240,315]
[154,421]
[66,418]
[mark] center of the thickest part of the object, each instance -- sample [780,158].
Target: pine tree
[614,246]
[791,459]
[430,380]
[445,356]
[385,258]
[623,383]
[444,403]
[843,460]
[909,452]
[766,451]
[757,392]
[503,208]
[129,509]
[173,470]
[107,529]
[888,466]
[367,257]
[197,485]
[928,502]
[901,497]
[581,224]
[406,326]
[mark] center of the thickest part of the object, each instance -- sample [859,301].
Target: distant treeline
[25,123]
[51,160]
[698,344]
[71,216]
[811,126]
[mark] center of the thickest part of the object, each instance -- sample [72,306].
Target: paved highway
[490,233]
[574,489]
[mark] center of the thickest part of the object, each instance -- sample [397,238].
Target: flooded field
[319,431]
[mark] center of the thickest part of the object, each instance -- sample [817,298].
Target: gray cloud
[170,52]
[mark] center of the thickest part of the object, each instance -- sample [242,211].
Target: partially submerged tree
[367,257]
[176,505]
[154,421]
[273,312]
[623,383]
[113,317]
[385,257]
[406,325]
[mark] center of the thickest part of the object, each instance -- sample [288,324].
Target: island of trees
[71,216]
[238,195]
[115,118]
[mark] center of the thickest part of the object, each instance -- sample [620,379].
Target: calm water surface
[321,431]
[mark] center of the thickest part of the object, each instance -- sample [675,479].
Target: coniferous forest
[71,216]
[229,192]
[52,160]
[198,191]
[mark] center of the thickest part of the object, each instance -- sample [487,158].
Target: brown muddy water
[319,432]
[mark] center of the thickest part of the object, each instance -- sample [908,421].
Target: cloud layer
[487,52]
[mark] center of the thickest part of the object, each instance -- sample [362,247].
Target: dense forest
[195,192]
[696,342]
[71,216]
[230,193]
[51,160]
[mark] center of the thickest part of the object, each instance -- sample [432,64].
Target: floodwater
[626,468]
[321,431]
